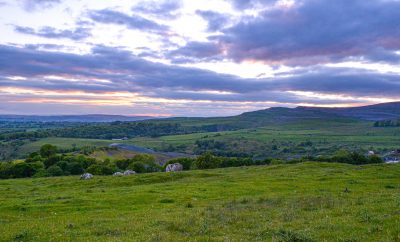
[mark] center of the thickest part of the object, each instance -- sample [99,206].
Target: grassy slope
[304,201]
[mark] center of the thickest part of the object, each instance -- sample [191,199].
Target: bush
[55,170]
[207,161]
[375,159]
[122,164]
[75,168]
[101,169]
[22,169]
[41,173]
[52,160]
[5,170]
[141,167]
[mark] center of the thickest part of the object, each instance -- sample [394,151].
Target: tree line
[387,123]
[113,130]
[48,161]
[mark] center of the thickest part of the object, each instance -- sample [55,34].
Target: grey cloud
[216,21]
[315,32]
[194,52]
[161,9]
[126,72]
[53,33]
[246,4]
[107,16]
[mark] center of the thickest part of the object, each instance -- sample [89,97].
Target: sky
[196,57]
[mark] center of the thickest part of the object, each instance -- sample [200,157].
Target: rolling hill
[375,112]
[301,202]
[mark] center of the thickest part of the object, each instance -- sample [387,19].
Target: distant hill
[258,118]
[281,115]
[375,112]
[91,118]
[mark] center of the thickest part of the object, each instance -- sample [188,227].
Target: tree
[75,168]
[48,150]
[55,170]
[22,169]
[207,161]
[375,159]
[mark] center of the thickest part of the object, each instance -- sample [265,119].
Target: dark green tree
[48,150]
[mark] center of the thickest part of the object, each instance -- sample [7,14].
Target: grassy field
[326,138]
[289,139]
[63,143]
[302,202]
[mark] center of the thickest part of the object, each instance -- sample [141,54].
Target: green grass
[302,202]
[63,143]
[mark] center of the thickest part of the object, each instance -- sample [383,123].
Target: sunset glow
[188,58]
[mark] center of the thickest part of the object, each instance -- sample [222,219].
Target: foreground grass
[302,202]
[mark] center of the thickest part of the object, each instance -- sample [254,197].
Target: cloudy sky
[196,57]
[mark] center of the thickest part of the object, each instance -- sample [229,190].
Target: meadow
[299,202]
[304,138]
[290,139]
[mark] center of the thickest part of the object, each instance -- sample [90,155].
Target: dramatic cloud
[219,57]
[131,21]
[112,70]
[52,33]
[321,30]
[311,32]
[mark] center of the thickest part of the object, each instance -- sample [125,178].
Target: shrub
[22,169]
[207,161]
[41,173]
[75,168]
[141,167]
[375,159]
[101,169]
[122,164]
[52,160]
[55,170]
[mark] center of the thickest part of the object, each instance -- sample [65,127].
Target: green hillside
[302,202]
[275,132]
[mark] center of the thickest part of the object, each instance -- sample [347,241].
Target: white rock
[174,167]
[86,176]
[129,172]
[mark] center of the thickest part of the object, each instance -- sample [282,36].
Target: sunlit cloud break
[191,58]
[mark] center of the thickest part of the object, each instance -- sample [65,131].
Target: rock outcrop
[86,176]
[129,172]
[118,174]
[174,167]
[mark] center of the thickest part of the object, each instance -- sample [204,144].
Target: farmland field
[326,137]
